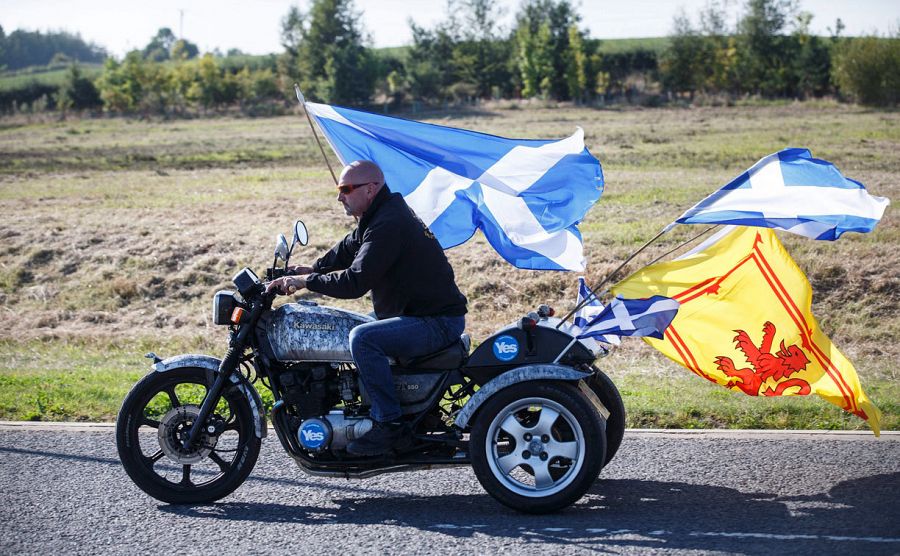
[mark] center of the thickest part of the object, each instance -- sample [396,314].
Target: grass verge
[74,381]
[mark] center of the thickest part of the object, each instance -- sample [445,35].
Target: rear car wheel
[537,446]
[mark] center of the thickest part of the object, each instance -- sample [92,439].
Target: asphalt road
[64,491]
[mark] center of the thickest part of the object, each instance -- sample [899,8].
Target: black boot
[382,439]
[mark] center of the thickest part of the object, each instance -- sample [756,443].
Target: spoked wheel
[156,418]
[537,446]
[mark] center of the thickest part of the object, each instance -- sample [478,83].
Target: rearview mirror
[301,236]
[281,248]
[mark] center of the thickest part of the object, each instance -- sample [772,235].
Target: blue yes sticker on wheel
[313,434]
[506,348]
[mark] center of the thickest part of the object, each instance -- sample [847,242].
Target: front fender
[209,363]
[520,374]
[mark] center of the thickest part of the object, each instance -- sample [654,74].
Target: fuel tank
[308,332]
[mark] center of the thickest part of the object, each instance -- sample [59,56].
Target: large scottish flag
[792,191]
[526,196]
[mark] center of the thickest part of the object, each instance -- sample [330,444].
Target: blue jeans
[373,342]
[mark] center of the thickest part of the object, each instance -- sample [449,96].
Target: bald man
[419,308]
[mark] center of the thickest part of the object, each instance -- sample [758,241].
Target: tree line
[22,49]
[769,52]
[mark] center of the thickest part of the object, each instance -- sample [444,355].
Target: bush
[28,96]
[78,92]
[868,69]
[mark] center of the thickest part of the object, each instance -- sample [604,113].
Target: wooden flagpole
[313,128]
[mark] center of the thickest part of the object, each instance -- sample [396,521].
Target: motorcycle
[527,409]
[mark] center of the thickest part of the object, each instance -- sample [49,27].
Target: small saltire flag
[527,196]
[745,322]
[633,317]
[792,191]
[587,313]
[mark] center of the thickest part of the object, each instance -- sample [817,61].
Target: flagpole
[682,244]
[609,276]
[593,293]
[313,128]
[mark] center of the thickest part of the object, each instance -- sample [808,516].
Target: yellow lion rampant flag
[745,322]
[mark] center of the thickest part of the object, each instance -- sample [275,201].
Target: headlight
[224,303]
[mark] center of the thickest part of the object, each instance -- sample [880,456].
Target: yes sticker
[506,348]
[313,435]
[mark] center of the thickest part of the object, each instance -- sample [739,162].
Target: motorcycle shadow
[623,513]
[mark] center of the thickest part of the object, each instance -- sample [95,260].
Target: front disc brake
[174,428]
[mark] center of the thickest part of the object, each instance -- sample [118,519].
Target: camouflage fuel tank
[308,332]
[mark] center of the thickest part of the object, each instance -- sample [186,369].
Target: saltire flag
[745,322]
[792,191]
[526,196]
[587,312]
[633,317]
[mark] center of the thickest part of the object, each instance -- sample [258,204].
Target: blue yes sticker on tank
[506,348]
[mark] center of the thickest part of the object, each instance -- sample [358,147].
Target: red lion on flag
[780,365]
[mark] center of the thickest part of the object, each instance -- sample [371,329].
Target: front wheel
[537,446]
[157,415]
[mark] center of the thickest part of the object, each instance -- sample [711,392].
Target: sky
[254,26]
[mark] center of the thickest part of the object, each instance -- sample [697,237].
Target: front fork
[229,364]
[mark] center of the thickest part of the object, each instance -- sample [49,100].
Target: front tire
[537,446]
[156,414]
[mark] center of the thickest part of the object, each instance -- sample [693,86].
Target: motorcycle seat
[451,357]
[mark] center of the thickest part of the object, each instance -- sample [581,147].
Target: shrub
[868,69]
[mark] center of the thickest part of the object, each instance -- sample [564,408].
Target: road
[63,491]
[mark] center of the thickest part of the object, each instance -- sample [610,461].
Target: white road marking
[663,533]
[793,537]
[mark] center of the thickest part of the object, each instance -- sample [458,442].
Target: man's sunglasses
[346,188]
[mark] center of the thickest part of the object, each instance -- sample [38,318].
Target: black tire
[577,430]
[238,442]
[604,388]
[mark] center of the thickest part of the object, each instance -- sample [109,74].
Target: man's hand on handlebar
[287,285]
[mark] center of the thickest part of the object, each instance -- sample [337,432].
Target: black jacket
[393,254]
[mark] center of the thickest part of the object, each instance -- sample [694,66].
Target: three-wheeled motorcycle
[527,409]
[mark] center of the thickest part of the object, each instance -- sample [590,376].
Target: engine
[312,391]
[309,389]
[307,332]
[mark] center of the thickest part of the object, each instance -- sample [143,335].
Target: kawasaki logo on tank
[506,348]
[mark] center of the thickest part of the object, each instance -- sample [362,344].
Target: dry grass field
[116,233]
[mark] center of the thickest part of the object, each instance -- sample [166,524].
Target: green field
[116,233]
[44,76]
[605,46]
[615,46]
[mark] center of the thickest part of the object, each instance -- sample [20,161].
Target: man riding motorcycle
[416,301]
